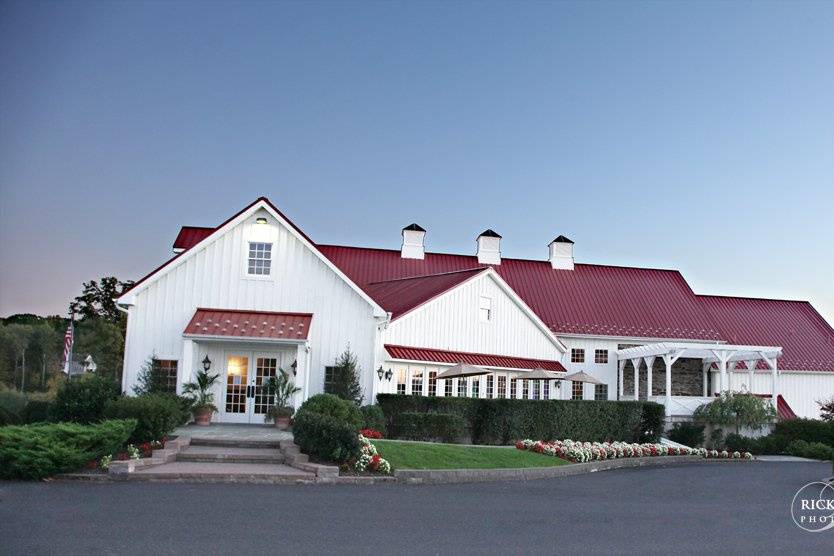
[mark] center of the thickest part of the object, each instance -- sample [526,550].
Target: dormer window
[485,309]
[260,259]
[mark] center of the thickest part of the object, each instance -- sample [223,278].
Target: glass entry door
[247,397]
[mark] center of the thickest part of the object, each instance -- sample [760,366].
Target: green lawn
[417,455]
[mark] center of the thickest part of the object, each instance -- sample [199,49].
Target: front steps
[226,454]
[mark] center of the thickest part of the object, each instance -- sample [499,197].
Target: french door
[247,397]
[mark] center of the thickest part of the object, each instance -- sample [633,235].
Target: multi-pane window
[546,390]
[485,309]
[525,390]
[331,376]
[601,356]
[577,390]
[512,387]
[166,372]
[502,387]
[577,355]
[417,383]
[260,258]
[601,392]
[401,379]
[536,386]
[461,387]
[476,387]
[447,387]
[433,383]
[489,387]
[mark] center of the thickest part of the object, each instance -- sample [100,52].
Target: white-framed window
[512,387]
[461,387]
[577,390]
[577,355]
[546,390]
[447,388]
[417,383]
[502,386]
[401,378]
[601,356]
[600,392]
[525,389]
[476,387]
[433,383]
[259,262]
[166,373]
[485,309]
[536,386]
[489,387]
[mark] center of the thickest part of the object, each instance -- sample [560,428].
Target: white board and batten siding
[453,322]
[604,372]
[216,276]
[801,390]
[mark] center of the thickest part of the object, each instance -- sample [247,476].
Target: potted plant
[202,397]
[282,388]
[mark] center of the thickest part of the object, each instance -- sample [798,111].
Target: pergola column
[620,393]
[774,379]
[669,360]
[751,367]
[636,364]
[705,377]
[649,363]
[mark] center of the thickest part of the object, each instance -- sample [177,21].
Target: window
[461,387]
[447,387]
[601,392]
[512,388]
[577,355]
[546,390]
[502,387]
[166,373]
[330,377]
[601,356]
[417,383]
[489,388]
[577,390]
[476,387]
[525,390]
[260,258]
[401,382]
[536,387]
[485,309]
[433,383]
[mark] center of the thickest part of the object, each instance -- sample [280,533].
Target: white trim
[130,297]
[244,339]
[439,364]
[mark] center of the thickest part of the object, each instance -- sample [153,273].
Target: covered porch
[649,371]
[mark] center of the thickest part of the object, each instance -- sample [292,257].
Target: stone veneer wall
[687,378]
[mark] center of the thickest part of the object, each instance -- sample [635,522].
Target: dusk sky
[677,135]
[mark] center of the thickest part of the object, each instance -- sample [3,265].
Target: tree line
[32,346]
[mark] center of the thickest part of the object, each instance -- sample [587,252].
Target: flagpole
[68,363]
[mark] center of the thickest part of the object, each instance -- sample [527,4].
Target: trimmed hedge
[785,433]
[443,427]
[82,400]
[156,415]
[373,418]
[41,450]
[326,427]
[503,421]
[689,434]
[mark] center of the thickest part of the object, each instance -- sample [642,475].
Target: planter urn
[202,416]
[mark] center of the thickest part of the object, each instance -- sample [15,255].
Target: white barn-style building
[256,294]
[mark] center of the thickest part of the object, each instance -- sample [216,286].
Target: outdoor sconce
[388,374]
[380,372]
[206,363]
[558,384]
[294,367]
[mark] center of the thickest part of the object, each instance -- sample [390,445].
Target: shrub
[373,418]
[812,450]
[41,450]
[37,411]
[326,426]
[503,421]
[739,410]
[156,415]
[444,427]
[7,417]
[346,380]
[827,409]
[688,434]
[12,402]
[82,400]
[809,430]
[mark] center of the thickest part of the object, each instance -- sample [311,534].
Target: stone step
[228,454]
[235,442]
[223,472]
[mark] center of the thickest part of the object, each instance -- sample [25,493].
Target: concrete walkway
[267,433]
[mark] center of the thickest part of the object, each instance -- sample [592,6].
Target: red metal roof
[481,359]
[190,236]
[807,340]
[403,294]
[591,299]
[783,409]
[249,324]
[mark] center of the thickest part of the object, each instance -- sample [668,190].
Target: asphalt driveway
[720,508]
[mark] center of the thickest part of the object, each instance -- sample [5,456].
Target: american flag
[68,339]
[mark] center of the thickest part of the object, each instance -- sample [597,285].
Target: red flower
[370,433]
[375,462]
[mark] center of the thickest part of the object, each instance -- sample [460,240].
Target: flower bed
[580,452]
[371,433]
[369,460]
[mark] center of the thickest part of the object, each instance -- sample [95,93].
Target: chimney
[489,248]
[414,238]
[561,253]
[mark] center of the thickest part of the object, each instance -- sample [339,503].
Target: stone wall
[687,378]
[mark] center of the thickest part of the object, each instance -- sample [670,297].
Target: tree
[104,342]
[345,382]
[14,345]
[98,300]
[827,409]
[740,410]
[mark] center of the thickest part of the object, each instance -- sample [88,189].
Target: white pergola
[719,354]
